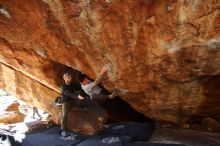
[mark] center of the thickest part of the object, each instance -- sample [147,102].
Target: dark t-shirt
[71,92]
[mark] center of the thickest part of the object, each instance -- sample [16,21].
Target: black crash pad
[51,137]
[133,131]
[102,141]
[122,134]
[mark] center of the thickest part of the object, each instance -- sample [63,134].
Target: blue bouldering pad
[102,141]
[121,134]
[133,131]
[51,137]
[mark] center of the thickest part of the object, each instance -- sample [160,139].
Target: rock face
[163,55]
[10,112]
[186,137]
[11,117]
[13,107]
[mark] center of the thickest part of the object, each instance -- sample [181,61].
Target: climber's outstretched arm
[99,77]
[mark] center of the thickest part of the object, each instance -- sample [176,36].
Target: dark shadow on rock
[120,111]
[55,71]
[210,105]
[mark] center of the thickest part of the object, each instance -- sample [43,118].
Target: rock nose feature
[163,56]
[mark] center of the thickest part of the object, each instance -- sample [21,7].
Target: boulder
[11,117]
[163,56]
[210,124]
[13,107]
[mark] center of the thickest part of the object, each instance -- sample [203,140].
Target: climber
[93,89]
[71,93]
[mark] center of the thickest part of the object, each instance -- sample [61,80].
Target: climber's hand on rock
[81,97]
[103,70]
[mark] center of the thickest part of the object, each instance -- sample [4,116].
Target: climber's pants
[65,110]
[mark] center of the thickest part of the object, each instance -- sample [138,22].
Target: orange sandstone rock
[163,55]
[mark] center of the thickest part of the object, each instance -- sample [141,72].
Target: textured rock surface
[13,107]
[9,110]
[187,137]
[163,54]
[11,117]
[210,124]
